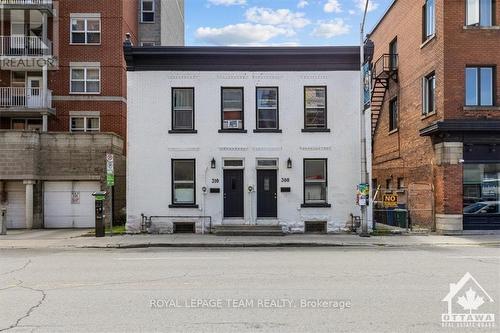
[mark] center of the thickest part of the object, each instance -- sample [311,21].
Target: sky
[278,22]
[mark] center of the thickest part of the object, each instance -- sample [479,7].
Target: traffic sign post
[110,182]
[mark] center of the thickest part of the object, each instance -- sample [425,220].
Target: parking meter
[3,221]
[99,213]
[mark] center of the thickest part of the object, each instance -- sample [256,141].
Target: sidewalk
[67,239]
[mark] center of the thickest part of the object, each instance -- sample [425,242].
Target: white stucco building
[242,136]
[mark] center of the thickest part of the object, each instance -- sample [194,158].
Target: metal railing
[30,98]
[24,46]
[26,2]
[386,64]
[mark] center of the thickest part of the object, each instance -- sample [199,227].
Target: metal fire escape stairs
[384,70]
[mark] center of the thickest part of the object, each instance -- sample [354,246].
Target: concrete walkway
[70,238]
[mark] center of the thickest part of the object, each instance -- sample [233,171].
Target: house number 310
[285,180]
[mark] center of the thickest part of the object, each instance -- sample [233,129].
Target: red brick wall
[405,153]
[467,47]
[117,18]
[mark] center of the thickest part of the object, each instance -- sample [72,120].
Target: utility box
[99,213]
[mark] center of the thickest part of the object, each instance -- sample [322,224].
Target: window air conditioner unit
[232,123]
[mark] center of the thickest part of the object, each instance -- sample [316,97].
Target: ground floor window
[315,181]
[481,189]
[26,124]
[183,182]
[85,124]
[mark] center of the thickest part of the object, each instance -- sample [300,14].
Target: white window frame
[148,11]
[425,94]
[85,80]
[473,13]
[242,166]
[85,129]
[85,29]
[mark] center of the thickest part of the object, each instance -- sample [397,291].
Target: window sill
[182,131]
[316,130]
[394,131]
[477,27]
[428,40]
[85,44]
[317,205]
[425,116]
[267,131]
[481,108]
[232,131]
[183,206]
[84,93]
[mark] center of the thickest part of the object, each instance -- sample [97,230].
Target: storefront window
[482,188]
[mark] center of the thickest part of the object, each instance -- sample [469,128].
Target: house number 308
[215,180]
[285,180]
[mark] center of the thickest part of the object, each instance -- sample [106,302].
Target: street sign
[110,170]
[390,200]
[363,194]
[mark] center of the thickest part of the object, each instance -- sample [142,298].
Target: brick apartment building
[435,111]
[63,104]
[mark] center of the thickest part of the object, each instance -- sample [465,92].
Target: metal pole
[112,211]
[364,174]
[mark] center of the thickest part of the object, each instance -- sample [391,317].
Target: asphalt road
[239,290]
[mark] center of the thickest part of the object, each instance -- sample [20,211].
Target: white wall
[151,147]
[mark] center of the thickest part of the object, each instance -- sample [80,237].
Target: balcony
[42,5]
[24,46]
[386,67]
[25,101]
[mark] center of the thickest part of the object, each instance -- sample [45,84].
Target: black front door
[233,193]
[267,191]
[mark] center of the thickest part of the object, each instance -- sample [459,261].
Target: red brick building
[63,103]
[435,111]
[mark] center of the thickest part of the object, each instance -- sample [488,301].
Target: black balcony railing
[385,66]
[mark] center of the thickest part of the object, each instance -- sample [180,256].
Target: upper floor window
[232,109]
[85,30]
[85,124]
[147,11]
[86,80]
[429,94]
[393,114]
[479,86]
[480,12]
[429,19]
[183,109]
[267,108]
[315,107]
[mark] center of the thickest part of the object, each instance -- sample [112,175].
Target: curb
[277,245]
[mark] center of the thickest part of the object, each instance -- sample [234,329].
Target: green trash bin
[401,218]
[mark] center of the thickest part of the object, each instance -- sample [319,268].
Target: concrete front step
[249,230]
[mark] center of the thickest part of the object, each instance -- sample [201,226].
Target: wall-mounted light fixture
[212,163]
[289,163]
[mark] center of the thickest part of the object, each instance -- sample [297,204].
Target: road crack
[28,313]
[18,269]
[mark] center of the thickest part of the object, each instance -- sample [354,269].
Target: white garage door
[69,204]
[16,205]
